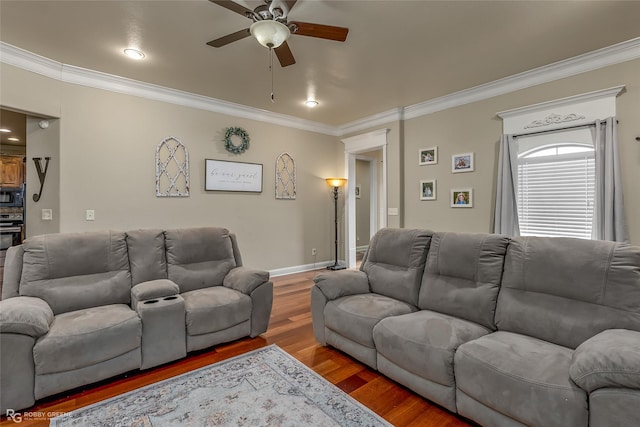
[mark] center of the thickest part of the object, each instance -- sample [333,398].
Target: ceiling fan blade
[235,7]
[230,38]
[283,52]
[290,3]
[321,31]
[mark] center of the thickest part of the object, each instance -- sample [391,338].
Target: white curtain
[609,222]
[506,213]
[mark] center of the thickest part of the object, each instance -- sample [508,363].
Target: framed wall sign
[223,175]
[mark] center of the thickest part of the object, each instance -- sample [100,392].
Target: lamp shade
[270,33]
[336,182]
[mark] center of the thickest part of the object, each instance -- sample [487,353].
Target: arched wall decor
[172,168]
[285,177]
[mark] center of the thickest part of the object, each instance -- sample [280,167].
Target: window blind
[555,195]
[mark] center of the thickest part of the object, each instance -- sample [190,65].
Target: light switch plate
[90,215]
[47,214]
[393,211]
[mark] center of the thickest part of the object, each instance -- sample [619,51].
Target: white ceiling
[397,53]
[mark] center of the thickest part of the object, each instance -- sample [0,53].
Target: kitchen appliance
[11,216]
[11,197]
[11,227]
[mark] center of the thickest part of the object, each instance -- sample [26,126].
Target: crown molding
[615,54]
[29,61]
[621,52]
[369,122]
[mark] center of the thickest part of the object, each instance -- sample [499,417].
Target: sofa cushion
[215,309]
[565,290]
[462,275]
[355,316]
[394,262]
[147,256]
[523,378]
[614,407]
[25,315]
[609,359]
[12,272]
[198,257]
[82,338]
[245,279]
[424,342]
[77,270]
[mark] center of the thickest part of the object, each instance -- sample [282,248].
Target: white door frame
[352,147]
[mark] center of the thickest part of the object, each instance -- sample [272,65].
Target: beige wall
[43,143]
[107,163]
[475,127]
[107,144]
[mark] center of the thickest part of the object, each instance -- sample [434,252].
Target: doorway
[368,171]
[370,146]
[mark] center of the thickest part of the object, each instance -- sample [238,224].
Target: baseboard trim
[301,268]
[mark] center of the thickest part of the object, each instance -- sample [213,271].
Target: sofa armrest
[245,280]
[153,289]
[342,283]
[609,359]
[26,316]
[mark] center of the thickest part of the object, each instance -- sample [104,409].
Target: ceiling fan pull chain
[273,97]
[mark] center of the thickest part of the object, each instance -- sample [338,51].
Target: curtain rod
[584,125]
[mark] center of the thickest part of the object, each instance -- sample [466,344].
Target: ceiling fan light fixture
[270,34]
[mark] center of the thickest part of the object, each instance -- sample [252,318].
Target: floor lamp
[336,183]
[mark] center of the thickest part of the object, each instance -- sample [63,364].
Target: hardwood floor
[291,329]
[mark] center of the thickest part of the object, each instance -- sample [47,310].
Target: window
[556,183]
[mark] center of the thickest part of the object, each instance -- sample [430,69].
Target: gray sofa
[506,332]
[80,308]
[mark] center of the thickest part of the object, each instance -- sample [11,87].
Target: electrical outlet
[90,215]
[47,214]
[314,252]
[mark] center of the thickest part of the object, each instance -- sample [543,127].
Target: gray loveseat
[506,332]
[83,307]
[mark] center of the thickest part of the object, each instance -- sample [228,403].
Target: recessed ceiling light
[310,103]
[5,130]
[133,53]
[13,139]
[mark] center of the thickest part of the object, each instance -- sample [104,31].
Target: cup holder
[170,298]
[153,301]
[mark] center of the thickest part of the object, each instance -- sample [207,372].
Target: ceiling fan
[271,28]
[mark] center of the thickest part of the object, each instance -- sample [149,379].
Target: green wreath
[230,146]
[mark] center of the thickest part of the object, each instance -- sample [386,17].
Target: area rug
[265,387]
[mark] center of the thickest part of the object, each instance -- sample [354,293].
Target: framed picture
[428,189]
[462,162]
[357,191]
[222,175]
[461,197]
[428,156]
